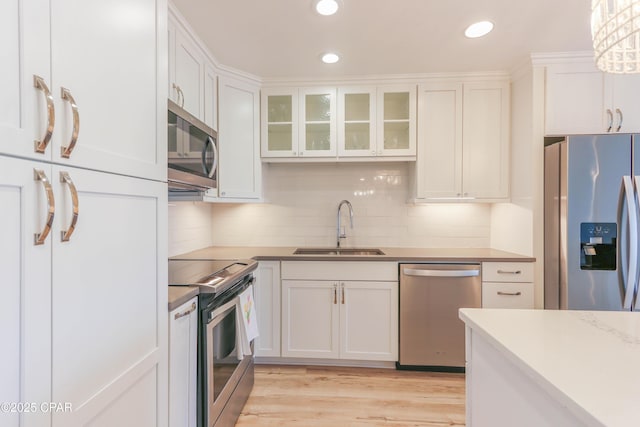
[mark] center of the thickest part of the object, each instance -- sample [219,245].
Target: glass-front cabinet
[279,122]
[318,122]
[350,122]
[357,121]
[397,120]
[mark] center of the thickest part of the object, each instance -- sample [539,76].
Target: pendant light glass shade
[615,27]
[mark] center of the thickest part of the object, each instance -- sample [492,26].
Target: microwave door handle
[209,171]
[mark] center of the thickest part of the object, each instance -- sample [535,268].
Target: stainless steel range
[225,376]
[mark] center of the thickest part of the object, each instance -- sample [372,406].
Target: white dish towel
[247,321]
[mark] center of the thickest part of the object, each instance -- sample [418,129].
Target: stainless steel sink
[337,251]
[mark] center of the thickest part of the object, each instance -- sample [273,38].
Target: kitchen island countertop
[585,361]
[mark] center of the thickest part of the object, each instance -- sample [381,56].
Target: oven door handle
[222,310]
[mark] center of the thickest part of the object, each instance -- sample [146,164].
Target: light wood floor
[296,396]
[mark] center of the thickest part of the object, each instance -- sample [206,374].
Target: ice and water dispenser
[598,245]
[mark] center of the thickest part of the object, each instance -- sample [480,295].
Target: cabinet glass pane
[356,136]
[396,135]
[317,137]
[396,106]
[356,106]
[279,108]
[280,137]
[318,108]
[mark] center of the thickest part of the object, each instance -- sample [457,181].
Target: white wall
[302,202]
[189,227]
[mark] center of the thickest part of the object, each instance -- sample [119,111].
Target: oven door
[223,369]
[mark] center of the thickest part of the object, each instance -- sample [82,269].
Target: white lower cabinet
[350,313]
[267,297]
[507,285]
[183,364]
[80,316]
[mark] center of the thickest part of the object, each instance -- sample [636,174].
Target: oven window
[225,361]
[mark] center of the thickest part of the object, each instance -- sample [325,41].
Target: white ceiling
[285,38]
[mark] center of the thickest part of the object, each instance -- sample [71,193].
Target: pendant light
[615,28]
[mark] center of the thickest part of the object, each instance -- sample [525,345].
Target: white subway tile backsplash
[302,206]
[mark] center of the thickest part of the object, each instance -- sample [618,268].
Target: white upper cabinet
[240,169]
[463,151]
[580,99]
[279,111]
[317,131]
[396,121]
[187,75]
[192,79]
[351,123]
[357,121]
[82,85]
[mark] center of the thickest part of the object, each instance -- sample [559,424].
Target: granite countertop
[587,360]
[178,295]
[278,253]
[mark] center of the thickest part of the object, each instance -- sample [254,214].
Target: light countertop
[586,360]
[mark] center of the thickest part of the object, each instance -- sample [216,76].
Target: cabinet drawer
[507,295]
[340,270]
[507,272]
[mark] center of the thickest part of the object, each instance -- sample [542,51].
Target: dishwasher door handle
[440,273]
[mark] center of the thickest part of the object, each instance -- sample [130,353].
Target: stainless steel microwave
[193,153]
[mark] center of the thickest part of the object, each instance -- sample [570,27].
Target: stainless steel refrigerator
[591,222]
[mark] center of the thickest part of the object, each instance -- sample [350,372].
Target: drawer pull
[510,294]
[509,272]
[186,313]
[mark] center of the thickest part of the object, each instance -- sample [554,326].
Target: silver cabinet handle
[39,175]
[66,179]
[610,114]
[342,285]
[65,152]
[511,294]
[440,273]
[509,272]
[335,293]
[619,112]
[41,145]
[180,98]
[186,313]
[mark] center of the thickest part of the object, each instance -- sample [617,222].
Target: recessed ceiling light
[330,58]
[326,7]
[478,29]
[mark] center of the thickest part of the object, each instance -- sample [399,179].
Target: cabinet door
[240,169]
[485,130]
[624,89]
[24,43]
[25,286]
[369,320]
[439,162]
[279,122]
[189,75]
[396,120]
[310,319]
[210,97]
[357,122]
[183,364]
[108,331]
[267,294]
[318,122]
[113,70]
[574,100]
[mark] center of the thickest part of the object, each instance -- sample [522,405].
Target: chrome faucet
[343,235]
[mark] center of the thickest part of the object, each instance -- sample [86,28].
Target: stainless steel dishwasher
[431,334]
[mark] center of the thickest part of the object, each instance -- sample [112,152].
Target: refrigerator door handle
[630,285]
[634,238]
